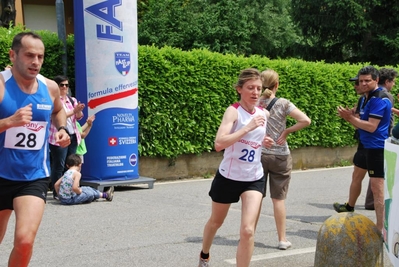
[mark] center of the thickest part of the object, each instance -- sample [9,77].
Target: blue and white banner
[391,193]
[106,50]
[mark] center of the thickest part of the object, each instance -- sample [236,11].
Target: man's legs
[4,217]
[355,188]
[358,174]
[369,202]
[377,186]
[28,213]
[375,163]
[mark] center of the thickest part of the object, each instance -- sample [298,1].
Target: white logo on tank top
[43,107]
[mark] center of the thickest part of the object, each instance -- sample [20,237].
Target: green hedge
[53,64]
[183,95]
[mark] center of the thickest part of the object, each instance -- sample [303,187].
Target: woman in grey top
[277,161]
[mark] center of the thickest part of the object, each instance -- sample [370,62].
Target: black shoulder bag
[271,104]
[71,100]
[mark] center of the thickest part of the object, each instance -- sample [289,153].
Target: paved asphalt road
[163,226]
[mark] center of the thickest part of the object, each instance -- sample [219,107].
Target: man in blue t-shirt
[373,126]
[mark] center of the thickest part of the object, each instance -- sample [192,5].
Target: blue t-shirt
[24,150]
[377,106]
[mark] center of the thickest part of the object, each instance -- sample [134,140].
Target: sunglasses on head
[64,84]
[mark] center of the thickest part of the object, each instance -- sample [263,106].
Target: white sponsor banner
[391,192]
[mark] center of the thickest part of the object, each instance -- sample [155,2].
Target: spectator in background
[68,189]
[395,130]
[373,126]
[359,159]
[386,82]
[84,131]
[276,160]
[73,109]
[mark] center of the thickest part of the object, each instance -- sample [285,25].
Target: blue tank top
[24,151]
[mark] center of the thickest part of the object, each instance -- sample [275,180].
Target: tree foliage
[349,30]
[242,27]
[333,31]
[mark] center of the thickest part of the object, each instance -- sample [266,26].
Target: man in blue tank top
[28,101]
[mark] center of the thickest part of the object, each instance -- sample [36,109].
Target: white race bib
[28,137]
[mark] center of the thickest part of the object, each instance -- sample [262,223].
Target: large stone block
[349,239]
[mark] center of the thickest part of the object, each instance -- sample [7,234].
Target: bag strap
[271,104]
[71,100]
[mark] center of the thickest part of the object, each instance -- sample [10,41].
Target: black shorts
[360,157]
[228,191]
[12,189]
[375,162]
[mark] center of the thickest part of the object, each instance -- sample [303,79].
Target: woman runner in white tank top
[242,133]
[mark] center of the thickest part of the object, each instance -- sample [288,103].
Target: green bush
[183,95]
[6,36]
[52,65]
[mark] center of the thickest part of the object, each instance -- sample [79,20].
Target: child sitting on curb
[68,190]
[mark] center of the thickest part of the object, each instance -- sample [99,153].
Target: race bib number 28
[28,137]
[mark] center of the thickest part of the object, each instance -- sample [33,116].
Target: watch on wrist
[63,128]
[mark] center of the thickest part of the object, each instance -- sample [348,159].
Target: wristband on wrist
[63,128]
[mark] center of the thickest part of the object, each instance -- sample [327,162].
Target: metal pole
[59,8]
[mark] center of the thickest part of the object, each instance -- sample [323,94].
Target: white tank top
[242,160]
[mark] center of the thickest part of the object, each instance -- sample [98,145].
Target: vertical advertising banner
[391,194]
[106,50]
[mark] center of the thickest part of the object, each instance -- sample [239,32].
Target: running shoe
[341,207]
[203,262]
[110,193]
[283,245]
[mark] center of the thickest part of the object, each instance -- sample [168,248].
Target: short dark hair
[60,78]
[387,75]
[369,70]
[17,40]
[73,160]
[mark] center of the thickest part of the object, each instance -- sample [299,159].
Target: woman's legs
[219,213]
[280,218]
[280,176]
[250,209]
[58,157]
[71,149]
